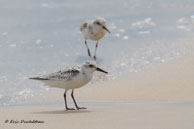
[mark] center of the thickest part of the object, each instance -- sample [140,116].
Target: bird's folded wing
[60,75]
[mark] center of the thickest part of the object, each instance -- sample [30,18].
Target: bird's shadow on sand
[62,112]
[81,59]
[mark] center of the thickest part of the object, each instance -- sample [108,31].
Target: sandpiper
[71,79]
[94,30]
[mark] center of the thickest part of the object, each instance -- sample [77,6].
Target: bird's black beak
[105,29]
[101,70]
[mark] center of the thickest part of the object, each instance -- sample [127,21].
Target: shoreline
[171,81]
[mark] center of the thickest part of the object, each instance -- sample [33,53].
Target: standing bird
[72,78]
[94,30]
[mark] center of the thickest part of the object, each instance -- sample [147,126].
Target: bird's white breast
[93,32]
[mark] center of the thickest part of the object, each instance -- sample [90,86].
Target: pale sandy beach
[157,98]
[103,115]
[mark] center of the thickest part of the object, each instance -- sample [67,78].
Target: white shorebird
[94,30]
[72,78]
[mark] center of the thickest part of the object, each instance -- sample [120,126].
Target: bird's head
[101,22]
[90,67]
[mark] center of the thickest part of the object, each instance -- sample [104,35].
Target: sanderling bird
[71,79]
[94,30]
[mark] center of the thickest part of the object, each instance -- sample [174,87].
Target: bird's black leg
[87,49]
[95,50]
[75,102]
[66,102]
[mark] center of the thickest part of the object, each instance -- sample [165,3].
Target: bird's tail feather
[38,78]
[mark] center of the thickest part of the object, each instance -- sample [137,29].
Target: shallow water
[42,36]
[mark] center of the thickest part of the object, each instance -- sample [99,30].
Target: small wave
[26,93]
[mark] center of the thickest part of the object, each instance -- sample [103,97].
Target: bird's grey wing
[60,75]
[64,75]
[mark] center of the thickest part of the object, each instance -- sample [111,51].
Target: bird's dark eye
[98,23]
[91,66]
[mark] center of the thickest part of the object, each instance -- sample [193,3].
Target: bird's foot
[94,57]
[69,109]
[80,108]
